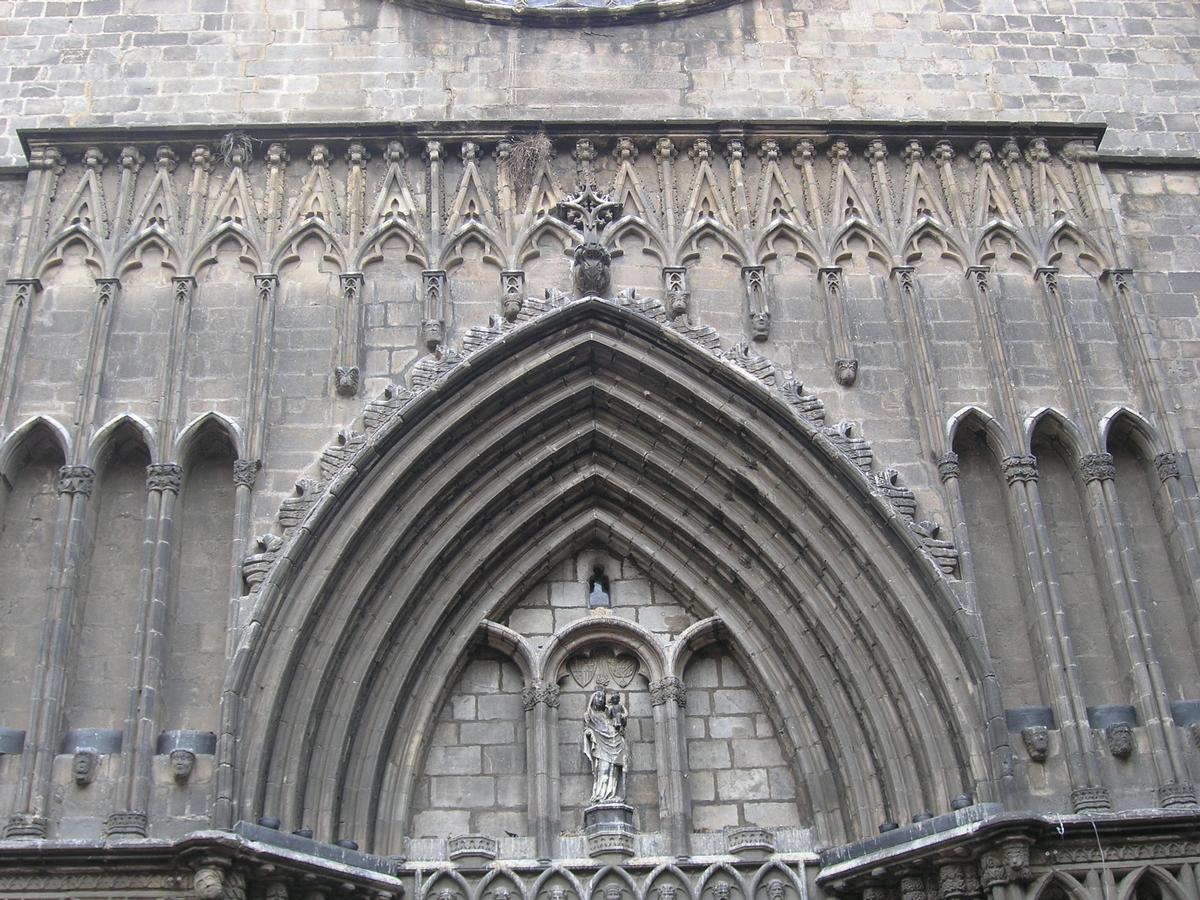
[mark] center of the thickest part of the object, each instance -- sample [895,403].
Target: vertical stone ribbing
[21,291]
[170,403]
[845,364]
[31,801]
[88,398]
[668,697]
[347,371]
[1061,671]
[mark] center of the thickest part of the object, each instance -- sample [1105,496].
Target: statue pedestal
[609,830]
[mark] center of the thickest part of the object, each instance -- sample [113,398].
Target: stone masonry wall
[162,62]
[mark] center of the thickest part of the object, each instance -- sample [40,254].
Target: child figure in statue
[604,745]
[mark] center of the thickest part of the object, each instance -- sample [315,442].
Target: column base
[1091,799]
[1176,794]
[129,823]
[26,826]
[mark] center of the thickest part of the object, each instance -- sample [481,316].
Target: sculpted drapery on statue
[604,745]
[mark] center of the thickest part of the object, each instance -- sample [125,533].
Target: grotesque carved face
[182,763]
[1120,739]
[760,324]
[1037,742]
[83,766]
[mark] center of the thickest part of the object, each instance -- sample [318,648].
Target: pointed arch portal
[589,426]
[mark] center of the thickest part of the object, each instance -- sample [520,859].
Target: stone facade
[382,379]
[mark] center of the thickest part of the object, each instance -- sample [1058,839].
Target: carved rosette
[669,689]
[1097,467]
[76,480]
[245,472]
[947,466]
[1019,468]
[164,477]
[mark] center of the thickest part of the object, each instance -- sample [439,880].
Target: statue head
[760,326]
[182,763]
[598,699]
[83,765]
[1037,742]
[1119,736]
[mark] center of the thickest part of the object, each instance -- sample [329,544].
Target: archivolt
[593,425]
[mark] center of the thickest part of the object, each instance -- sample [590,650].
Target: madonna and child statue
[607,819]
[605,746]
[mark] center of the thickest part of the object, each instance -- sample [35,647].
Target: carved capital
[768,150]
[947,466]
[669,689]
[992,871]
[877,151]
[1097,467]
[164,477]
[76,480]
[540,692]
[952,881]
[1167,465]
[1019,468]
[245,471]
[664,149]
[912,152]
[943,152]
[912,887]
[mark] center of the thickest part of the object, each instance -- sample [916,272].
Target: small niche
[598,594]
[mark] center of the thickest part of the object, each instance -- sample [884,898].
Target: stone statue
[84,764]
[604,745]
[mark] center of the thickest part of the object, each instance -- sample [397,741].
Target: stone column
[1106,520]
[1170,467]
[183,289]
[541,747]
[433,317]
[32,797]
[1061,670]
[163,482]
[845,365]
[347,373]
[669,698]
